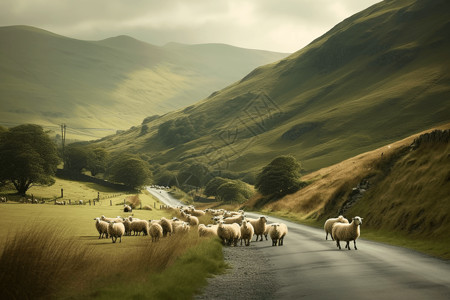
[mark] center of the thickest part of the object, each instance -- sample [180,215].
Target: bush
[279,178]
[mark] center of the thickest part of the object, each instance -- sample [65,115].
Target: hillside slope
[377,77]
[110,84]
[401,190]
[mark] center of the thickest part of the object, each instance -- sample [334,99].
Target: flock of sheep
[230,226]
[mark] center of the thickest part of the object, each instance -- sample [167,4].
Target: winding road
[309,267]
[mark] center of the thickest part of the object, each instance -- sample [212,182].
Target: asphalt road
[309,267]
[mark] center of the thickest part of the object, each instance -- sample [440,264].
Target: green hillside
[377,77]
[110,84]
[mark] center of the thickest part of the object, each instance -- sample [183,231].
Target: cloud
[285,25]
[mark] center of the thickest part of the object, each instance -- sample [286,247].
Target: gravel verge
[250,276]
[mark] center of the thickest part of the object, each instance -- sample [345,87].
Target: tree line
[28,156]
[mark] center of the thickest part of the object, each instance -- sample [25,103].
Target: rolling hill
[99,87]
[377,77]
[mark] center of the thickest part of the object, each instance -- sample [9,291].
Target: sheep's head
[263,218]
[357,220]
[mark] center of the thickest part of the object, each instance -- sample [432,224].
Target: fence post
[98,196]
[94,202]
[110,202]
[62,193]
[89,202]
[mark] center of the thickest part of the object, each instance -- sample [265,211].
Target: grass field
[53,251]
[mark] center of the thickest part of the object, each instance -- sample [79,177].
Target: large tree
[280,177]
[131,171]
[27,156]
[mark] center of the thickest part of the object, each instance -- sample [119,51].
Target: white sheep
[116,230]
[277,232]
[229,233]
[102,228]
[167,226]
[127,208]
[192,220]
[80,202]
[259,225]
[156,231]
[347,232]
[127,224]
[196,212]
[329,225]
[207,230]
[234,219]
[138,226]
[247,232]
[117,219]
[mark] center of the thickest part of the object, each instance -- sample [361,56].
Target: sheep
[196,212]
[329,225]
[277,232]
[138,226]
[207,230]
[102,228]
[166,226]
[182,227]
[116,230]
[234,219]
[109,220]
[156,231]
[80,202]
[229,233]
[127,224]
[127,208]
[192,220]
[247,232]
[58,203]
[3,199]
[266,232]
[347,232]
[259,225]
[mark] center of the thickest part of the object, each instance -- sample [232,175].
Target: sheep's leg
[348,245]
[338,244]
[120,239]
[354,242]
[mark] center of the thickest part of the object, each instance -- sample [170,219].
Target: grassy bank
[53,252]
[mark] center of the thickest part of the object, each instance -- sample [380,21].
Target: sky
[275,25]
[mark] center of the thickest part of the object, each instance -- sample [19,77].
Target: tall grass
[37,260]
[43,260]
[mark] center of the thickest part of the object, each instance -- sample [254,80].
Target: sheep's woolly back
[210,230]
[127,224]
[156,231]
[347,232]
[138,226]
[328,226]
[234,219]
[192,220]
[166,226]
[277,232]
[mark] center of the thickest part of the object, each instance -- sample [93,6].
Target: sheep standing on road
[247,232]
[229,233]
[116,230]
[347,232]
[277,232]
[328,226]
[259,225]
[102,228]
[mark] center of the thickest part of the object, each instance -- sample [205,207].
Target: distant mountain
[378,76]
[110,84]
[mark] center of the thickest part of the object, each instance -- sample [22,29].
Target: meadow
[53,251]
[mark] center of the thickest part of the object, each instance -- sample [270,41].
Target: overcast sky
[277,25]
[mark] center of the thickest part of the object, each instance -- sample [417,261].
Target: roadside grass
[53,252]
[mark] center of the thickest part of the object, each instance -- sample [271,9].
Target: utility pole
[63,142]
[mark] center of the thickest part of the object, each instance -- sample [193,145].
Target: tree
[280,177]
[131,171]
[27,156]
[213,185]
[96,161]
[76,158]
[234,191]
